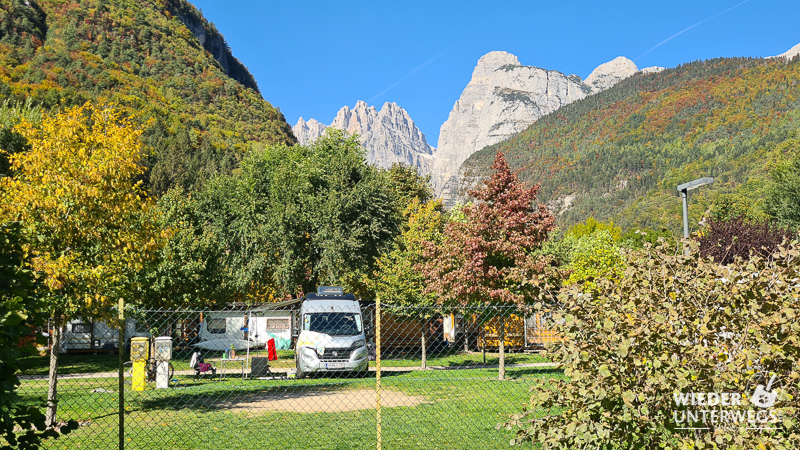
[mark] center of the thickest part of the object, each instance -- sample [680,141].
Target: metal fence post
[120,374]
[378,370]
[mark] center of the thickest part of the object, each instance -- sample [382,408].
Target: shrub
[725,240]
[594,256]
[672,324]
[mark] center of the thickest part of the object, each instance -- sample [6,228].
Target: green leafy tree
[87,226]
[298,217]
[783,197]
[187,271]
[592,256]
[490,258]
[407,185]
[592,225]
[12,142]
[636,238]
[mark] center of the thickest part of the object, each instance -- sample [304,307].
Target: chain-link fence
[317,375]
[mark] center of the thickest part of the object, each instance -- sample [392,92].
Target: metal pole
[685,214]
[378,371]
[120,375]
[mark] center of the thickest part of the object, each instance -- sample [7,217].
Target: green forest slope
[621,153]
[200,106]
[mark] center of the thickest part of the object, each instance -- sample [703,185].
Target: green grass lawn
[451,409]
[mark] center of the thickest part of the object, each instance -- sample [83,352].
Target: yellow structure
[140,353]
[533,331]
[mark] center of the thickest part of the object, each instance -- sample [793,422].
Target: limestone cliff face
[502,99]
[211,40]
[308,132]
[388,136]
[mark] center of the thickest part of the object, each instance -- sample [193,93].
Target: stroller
[200,366]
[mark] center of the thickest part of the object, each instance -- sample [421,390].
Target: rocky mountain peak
[789,54]
[495,59]
[307,132]
[611,73]
[388,136]
[504,98]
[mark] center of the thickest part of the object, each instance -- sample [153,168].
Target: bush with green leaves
[673,324]
[636,238]
[593,225]
[594,256]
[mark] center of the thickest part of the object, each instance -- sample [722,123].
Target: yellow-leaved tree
[87,222]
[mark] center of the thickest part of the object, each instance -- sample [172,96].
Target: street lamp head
[694,184]
[684,189]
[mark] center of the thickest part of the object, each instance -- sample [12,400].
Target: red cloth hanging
[273,354]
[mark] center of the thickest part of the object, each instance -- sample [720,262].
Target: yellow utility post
[378,418]
[140,352]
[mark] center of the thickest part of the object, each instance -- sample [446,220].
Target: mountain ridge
[503,98]
[619,154]
[389,136]
[200,111]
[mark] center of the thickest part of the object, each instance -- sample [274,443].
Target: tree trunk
[52,383]
[424,350]
[501,347]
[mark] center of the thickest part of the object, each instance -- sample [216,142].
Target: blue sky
[310,58]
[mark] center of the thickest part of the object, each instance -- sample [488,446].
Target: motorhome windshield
[333,323]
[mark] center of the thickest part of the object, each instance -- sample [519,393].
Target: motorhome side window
[216,326]
[333,323]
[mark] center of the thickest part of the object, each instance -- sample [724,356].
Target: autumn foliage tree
[399,279]
[87,223]
[489,258]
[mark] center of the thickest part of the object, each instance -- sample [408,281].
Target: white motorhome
[330,333]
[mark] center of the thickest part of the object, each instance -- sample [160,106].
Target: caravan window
[278,323]
[81,328]
[216,326]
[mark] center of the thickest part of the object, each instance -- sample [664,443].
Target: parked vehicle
[330,334]
[240,329]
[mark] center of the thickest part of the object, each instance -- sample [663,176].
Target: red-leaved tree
[489,258]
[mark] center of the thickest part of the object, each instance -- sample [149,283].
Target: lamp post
[684,191]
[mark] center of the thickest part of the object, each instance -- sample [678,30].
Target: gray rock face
[388,136]
[611,73]
[211,40]
[307,132]
[503,98]
[653,69]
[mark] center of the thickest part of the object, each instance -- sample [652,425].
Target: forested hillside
[621,153]
[159,59]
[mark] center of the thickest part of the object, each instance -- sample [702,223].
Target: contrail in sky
[689,28]
[411,73]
